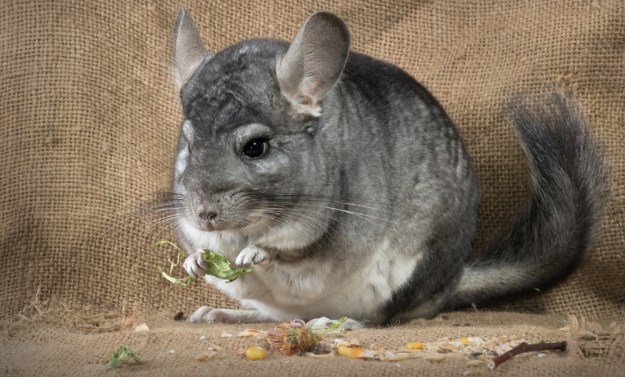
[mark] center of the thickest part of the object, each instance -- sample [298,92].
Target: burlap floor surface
[88,125]
[44,347]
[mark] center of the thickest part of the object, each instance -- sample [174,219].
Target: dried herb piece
[293,338]
[337,324]
[184,282]
[168,275]
[122,355]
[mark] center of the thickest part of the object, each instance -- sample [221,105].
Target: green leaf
[122,355]
[219,267]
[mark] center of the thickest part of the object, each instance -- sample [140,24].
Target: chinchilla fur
[344,185]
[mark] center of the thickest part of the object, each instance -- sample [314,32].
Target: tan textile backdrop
[89,119]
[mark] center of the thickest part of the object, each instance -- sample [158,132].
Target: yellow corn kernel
[415,346]
[255,353]
[354,352]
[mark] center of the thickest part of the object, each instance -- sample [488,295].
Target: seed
[475,363]
[142,327]
[415,346]
[250,332]
[446,348]
[436,358]
[205,356]
[255,353]
[354,352]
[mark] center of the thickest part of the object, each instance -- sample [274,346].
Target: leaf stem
[525,347]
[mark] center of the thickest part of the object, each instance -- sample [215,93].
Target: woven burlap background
[89,119]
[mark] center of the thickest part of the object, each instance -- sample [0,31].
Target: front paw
[252,255]
[195,265]
[208,314]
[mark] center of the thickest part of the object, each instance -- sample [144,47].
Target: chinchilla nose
[207,213]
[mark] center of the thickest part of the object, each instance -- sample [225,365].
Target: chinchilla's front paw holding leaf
[251,255]
[200,263]
[195,265]
[218,266]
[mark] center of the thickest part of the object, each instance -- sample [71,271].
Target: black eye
[256,148]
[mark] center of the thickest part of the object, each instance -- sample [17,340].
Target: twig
[524,347]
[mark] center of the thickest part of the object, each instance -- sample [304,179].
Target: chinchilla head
[253,150]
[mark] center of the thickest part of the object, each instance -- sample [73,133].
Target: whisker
[354,213]
[340,202]
[301,214]
[309,225]
[272,191]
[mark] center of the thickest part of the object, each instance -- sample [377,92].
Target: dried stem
[524,347]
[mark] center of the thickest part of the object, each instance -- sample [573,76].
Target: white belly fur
[307,289]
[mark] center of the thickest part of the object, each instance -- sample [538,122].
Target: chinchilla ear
[314,62]
[189,51]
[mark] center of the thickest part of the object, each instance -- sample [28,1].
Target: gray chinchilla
[344,185]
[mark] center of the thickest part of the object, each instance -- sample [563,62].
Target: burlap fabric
[88,125]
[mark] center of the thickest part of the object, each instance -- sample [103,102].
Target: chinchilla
[346,188]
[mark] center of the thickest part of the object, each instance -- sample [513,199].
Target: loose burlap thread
[90,116]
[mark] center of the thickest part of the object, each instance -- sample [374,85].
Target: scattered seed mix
[298,338]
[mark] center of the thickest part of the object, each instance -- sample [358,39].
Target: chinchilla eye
[256,148]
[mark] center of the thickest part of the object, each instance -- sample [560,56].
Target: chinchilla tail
[568,195]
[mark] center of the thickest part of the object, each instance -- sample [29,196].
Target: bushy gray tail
[567,202]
